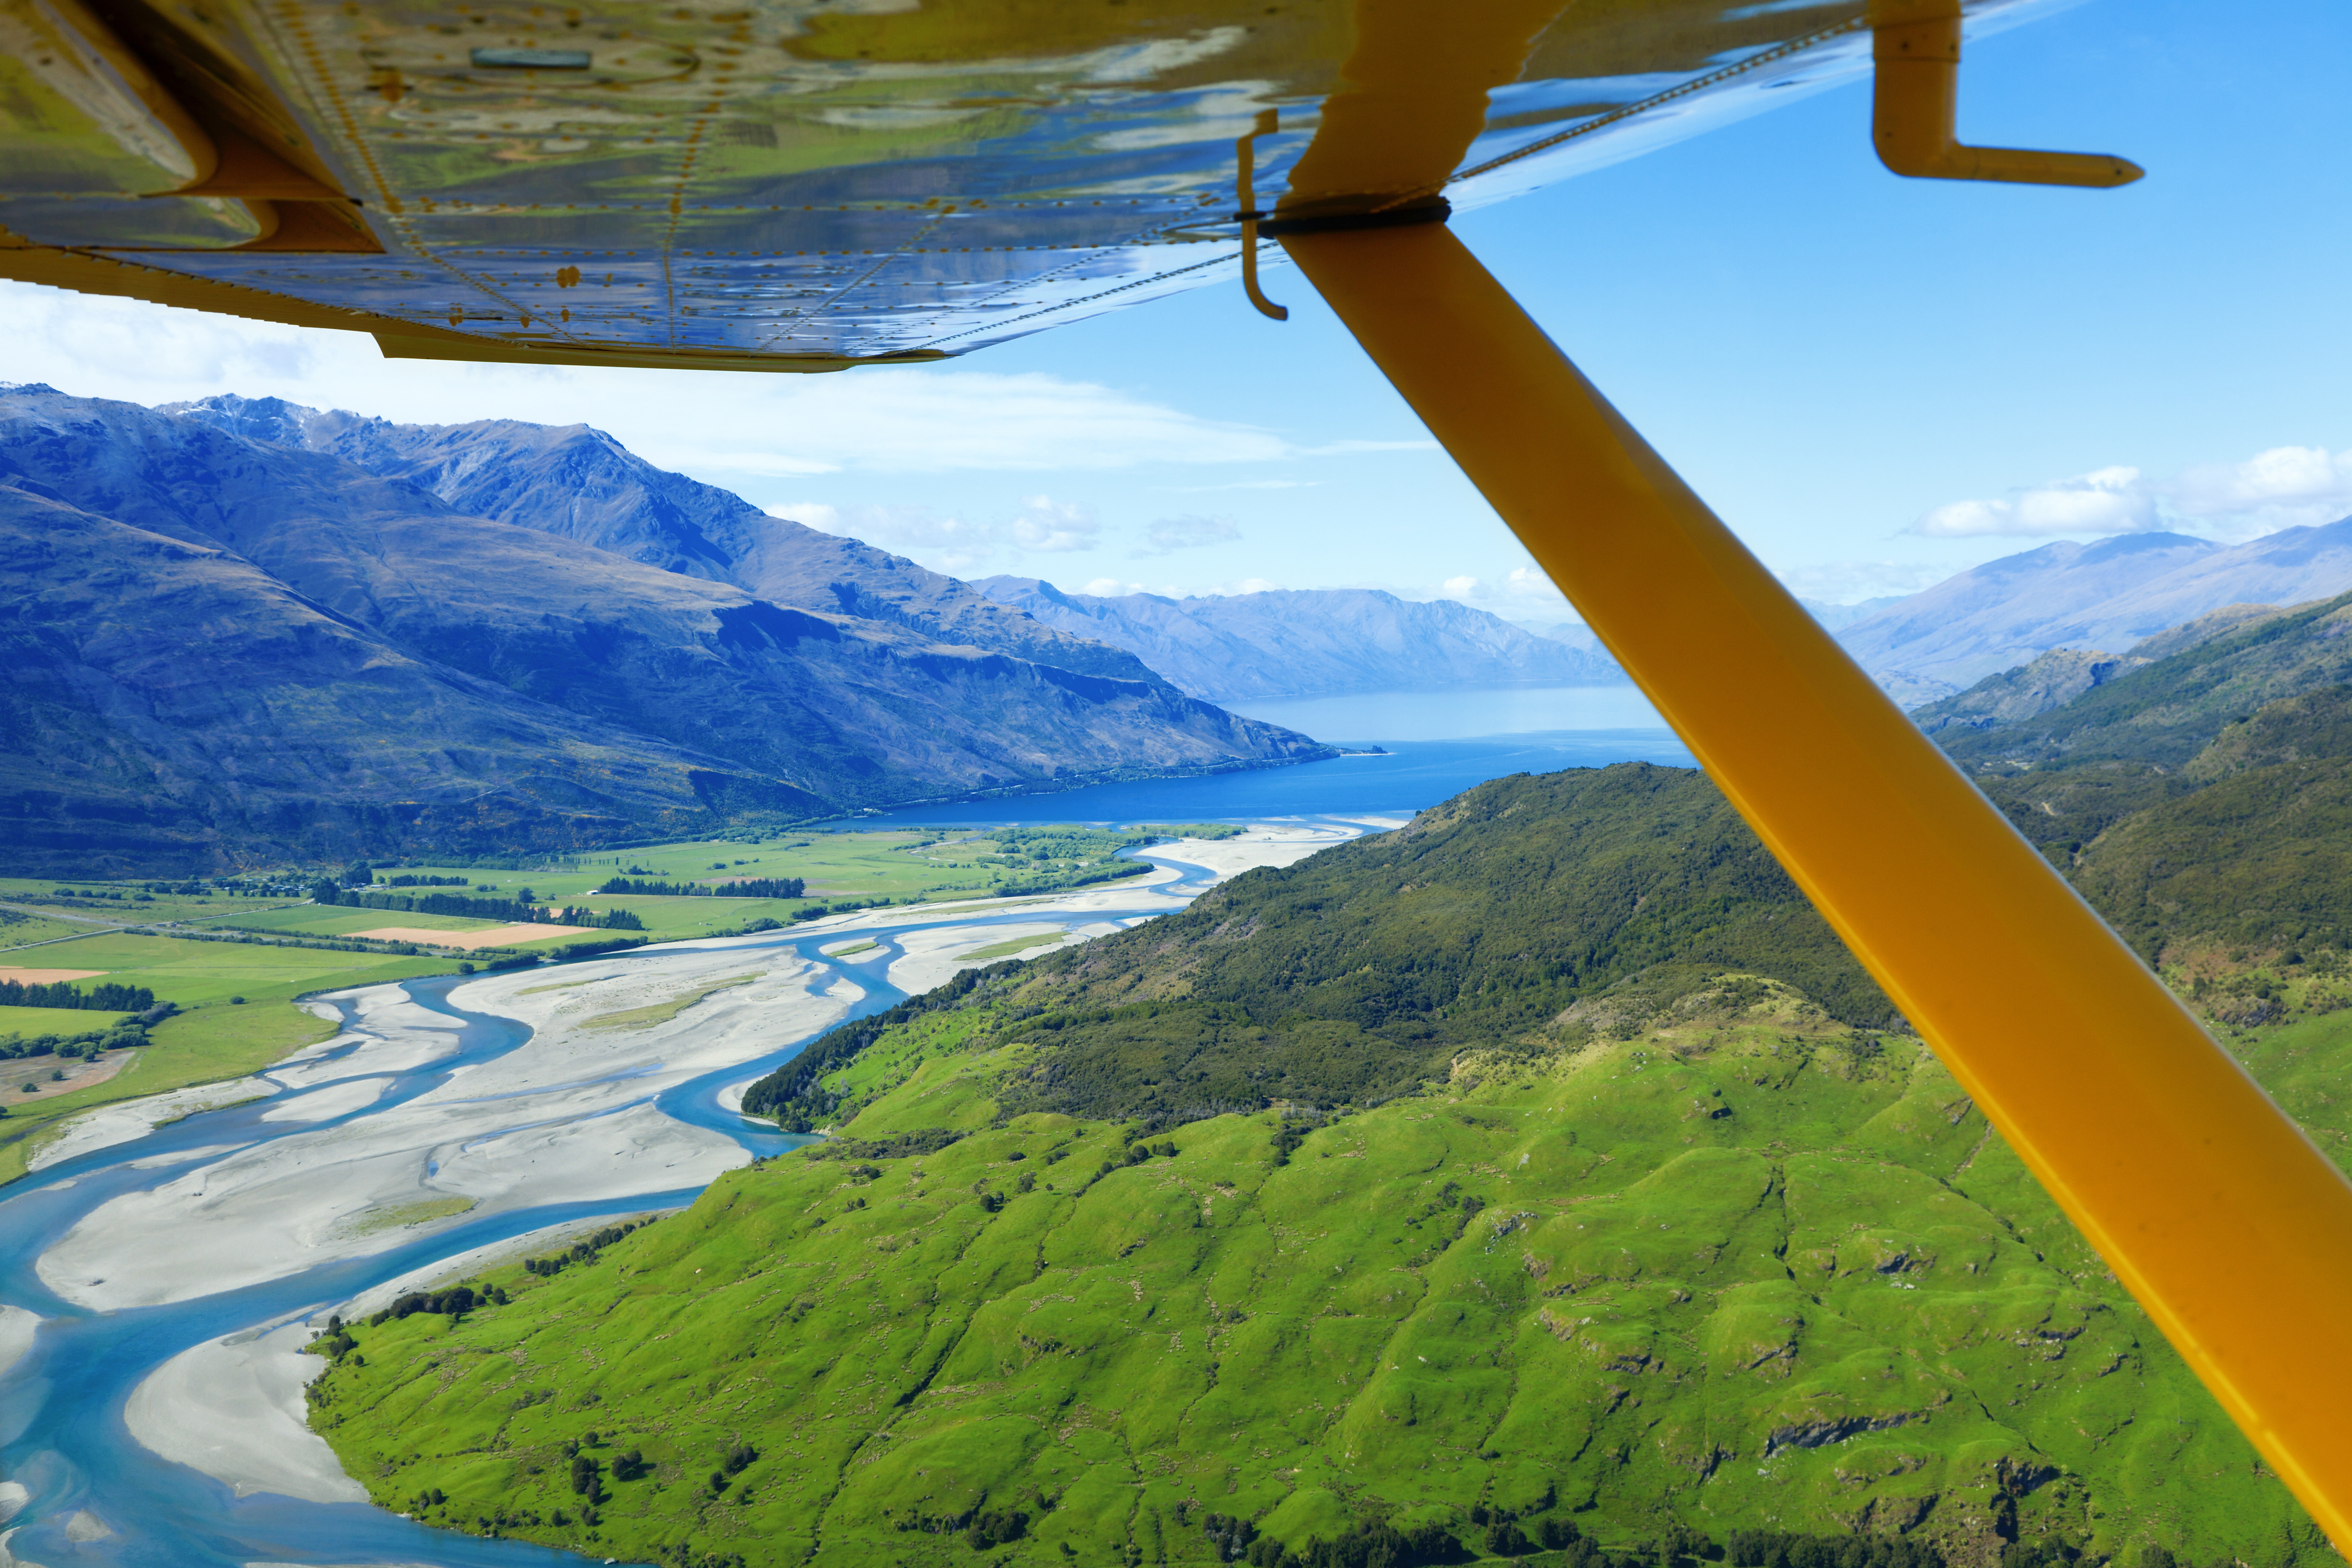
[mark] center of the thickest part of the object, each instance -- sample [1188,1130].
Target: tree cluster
[456,1301]
[584,1250]
[107,998]
[743,888]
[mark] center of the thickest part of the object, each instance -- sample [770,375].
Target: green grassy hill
[1619,1224]
[1351,978]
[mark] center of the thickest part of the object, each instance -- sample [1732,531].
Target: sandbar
[567,1116]
[495,936]
[17,1326]
[233,1408]
[1263,844]
[325,1104]
[120,1123]
[933,957]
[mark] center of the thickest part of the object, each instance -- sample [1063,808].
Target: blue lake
[1413,774]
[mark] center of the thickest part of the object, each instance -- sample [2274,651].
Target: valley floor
[386,1147]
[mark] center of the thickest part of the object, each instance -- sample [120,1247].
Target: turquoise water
[62,1433]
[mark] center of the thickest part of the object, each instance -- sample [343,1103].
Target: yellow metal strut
[2209,1203]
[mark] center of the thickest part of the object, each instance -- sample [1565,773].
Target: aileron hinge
[1916,54]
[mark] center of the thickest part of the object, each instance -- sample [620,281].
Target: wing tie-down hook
[1269,120]
[1916,50]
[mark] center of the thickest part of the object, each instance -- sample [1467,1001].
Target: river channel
[134,1273]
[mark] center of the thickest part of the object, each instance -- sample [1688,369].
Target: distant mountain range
[1311,642]
[244,630]
[2104,598]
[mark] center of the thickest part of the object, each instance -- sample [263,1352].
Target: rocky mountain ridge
[225,648]
[580,484]
[1315,642]
[2108,595]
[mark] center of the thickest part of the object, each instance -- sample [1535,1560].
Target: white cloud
[1523,592]
[909,419]
[1109,588]
[2281,488]
[1170,533]
[817,514]
[1046,524]
[2109,501]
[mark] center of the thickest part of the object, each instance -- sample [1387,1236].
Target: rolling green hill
[1595,1204]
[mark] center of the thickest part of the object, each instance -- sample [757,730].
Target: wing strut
[2230,1227]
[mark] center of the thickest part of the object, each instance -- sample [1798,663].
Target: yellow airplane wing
[791,186]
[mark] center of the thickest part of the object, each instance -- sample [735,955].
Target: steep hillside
[580,484]
[2260,857]
[1524,907]
[2055,678]
[1311,642]
[1688,1259]
[776,710]
[2052,681]
[2166,711]
[2107,594]
[172,707]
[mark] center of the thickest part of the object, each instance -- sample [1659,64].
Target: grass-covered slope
[1749,1271]
[1624,1232]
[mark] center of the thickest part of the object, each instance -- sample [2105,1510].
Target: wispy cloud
[955,544]
[1046,524]
[1173,534]
[909,419]
[2281,488]
[1522,592]
[1350,448]
[1848,582]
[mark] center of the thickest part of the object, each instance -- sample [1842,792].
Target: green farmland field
[211,1037]
[54,1021]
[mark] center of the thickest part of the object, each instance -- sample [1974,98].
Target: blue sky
[1876,381]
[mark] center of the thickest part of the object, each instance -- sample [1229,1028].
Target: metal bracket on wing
[1915,50]
[1269,120]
